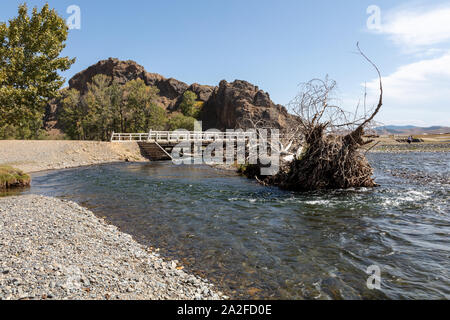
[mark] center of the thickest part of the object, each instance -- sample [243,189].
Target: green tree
[140,100]
[73,114]
[180,121]
[157,118]
[189,106]
[100,116]
[30,48]
[108,107]
[118,110]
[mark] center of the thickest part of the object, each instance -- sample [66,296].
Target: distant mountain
[412,130]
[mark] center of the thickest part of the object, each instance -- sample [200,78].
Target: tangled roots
[327,162]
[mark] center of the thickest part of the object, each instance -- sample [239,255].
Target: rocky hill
[231,104]
[225,106]
[121,72]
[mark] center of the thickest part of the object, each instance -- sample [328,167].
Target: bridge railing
[179,136]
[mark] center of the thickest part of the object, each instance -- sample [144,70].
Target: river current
[260,242]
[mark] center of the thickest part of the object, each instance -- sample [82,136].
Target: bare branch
[380,102]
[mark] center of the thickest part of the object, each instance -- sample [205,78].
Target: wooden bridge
[158,145]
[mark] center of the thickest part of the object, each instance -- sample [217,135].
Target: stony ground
[415,147]
[33,156]
[55,249]
[431,143]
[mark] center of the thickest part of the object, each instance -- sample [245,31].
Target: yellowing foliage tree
[108,107]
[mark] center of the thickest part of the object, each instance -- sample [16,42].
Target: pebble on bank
[56,249]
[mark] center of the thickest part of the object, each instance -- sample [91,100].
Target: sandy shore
[55,249]
[33,156]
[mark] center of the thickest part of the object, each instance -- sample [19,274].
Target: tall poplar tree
[30,49]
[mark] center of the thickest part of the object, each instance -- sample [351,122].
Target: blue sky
[277,45]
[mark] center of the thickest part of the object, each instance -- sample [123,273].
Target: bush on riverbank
[13,178]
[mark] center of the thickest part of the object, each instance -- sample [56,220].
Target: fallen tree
[332,154]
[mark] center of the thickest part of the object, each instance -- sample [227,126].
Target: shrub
[13,178]
[179,121]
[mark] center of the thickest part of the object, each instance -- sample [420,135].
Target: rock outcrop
[232,104]
[225,106]
[124,71]
[203,93]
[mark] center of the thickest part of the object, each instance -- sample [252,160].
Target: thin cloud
[419,87]
[421,81]
[418,91]
[417,26]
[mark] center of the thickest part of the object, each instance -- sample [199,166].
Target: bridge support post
[149,135]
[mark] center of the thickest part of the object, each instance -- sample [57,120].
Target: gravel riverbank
[415,147]
[56,249]
[33,156]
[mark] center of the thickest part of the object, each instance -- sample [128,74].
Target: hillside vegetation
[108,107]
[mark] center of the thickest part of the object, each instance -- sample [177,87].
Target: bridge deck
[175,137]
[158,145]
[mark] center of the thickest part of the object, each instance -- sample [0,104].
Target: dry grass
[13,178]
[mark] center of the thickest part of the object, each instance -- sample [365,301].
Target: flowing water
[260,242]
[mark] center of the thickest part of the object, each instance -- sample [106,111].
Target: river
[260,242]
